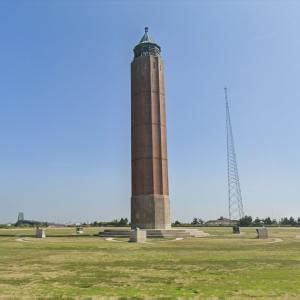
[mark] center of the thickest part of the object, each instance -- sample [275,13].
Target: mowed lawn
[222,265]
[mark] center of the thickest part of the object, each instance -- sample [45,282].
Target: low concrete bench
[138,236]
[262,233]
[236,229]
[40,233]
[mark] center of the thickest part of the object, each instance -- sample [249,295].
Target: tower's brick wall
[148,144]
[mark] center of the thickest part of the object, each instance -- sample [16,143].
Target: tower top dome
[146,46]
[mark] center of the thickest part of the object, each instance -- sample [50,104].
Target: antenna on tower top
[235,202]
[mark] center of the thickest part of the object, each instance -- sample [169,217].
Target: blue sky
[65,105]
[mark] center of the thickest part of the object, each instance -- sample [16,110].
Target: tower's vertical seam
[151,121]
[160,129]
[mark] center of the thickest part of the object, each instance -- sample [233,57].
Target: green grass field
[221,266]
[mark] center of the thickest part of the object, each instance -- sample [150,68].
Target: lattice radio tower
[236,210]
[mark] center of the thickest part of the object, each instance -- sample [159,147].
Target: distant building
[20,217]
[221,222]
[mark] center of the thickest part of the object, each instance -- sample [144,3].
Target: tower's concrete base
[150,212]
[156,233]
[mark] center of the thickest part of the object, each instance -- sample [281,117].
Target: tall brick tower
[150,205]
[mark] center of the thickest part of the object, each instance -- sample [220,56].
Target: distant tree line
[30,223]
[123,222]
[248,221]
[196,221]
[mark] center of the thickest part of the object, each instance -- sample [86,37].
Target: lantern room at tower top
[146,46]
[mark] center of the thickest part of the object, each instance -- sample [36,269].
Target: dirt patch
[22,240]
[111,240]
